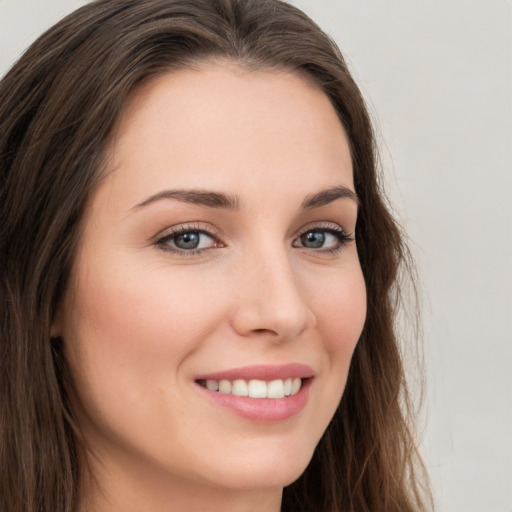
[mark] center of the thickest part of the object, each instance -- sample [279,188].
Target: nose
[269,299]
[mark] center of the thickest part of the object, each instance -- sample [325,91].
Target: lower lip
[265,410]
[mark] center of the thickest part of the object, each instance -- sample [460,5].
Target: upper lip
[262,372]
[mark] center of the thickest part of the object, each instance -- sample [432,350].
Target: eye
[323,238]
[187,240]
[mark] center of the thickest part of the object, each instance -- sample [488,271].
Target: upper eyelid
[184,228]
[322,225]
[216,233]
[174,234]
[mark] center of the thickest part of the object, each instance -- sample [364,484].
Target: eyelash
[339,233]
[163,242]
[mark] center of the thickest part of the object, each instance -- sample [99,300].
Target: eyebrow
[225,201]
[201,197]
[327,196]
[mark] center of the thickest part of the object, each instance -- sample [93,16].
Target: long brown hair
[58,107]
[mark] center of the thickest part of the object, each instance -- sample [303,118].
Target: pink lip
[265,410]
[262,372]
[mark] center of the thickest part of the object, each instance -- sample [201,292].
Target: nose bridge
[269,295]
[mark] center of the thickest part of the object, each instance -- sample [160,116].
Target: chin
[277,470]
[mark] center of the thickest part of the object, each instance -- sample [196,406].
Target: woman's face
[219,248]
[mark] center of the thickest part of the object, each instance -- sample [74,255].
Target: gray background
[437,76]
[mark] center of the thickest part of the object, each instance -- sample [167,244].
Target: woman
[199,270]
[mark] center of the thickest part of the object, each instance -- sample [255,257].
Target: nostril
[264,331]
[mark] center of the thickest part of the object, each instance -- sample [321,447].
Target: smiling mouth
[254,388]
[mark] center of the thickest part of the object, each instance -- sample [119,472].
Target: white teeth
[213,385]
[296,386]
[255,388]
[275,389]
[225,386]
[288,387]
[240,388]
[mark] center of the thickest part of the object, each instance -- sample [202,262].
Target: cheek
[127,337]
[132,333]
[340,310]
[342,319]
[138,317]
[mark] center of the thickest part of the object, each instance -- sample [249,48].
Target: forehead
[218,122]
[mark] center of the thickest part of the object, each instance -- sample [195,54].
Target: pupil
[187,240]
[313,239]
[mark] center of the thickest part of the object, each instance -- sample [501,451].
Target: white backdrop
[438,78]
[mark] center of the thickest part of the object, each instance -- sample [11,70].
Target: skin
[140,321]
